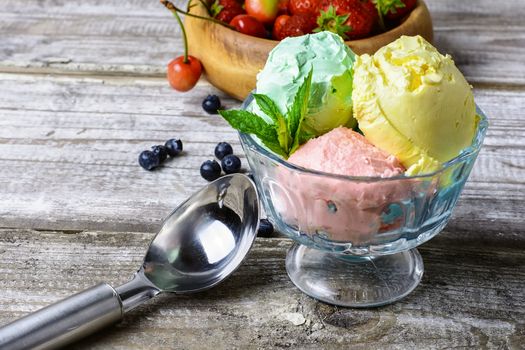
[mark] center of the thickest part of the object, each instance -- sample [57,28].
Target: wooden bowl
[231,60]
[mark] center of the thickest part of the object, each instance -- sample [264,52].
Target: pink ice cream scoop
[343,151]
[341,209]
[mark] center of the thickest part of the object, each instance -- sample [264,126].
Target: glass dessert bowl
[356,237]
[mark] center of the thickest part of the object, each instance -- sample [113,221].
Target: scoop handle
[65,321]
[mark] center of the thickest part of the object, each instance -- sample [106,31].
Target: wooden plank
[480,38]
[471,296]
[139,37]
[69,147]
[80,146]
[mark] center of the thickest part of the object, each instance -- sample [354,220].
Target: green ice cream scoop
[332,62]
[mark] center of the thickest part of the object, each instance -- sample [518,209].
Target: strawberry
[306,7]
[298,25]
[370,7]
[227,4]
[401,11]
[282,7]
[225,10]
[348,18]
[278,25]
[395,9]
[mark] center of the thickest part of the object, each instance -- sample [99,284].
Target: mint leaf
[250,123]
[284,134]
[267,106]
[301,105]
[275,147]
[299,109]
[270,109]
[305,136]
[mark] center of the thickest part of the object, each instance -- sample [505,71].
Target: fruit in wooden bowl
[231,59]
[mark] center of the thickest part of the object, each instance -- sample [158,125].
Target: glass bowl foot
[354,281]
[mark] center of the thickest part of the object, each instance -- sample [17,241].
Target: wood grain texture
[82,93]
[69,148]
[72,146]
[258,305]
[140,37]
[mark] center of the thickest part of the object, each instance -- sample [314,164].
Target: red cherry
[280,22]
[249,25]
[183,76]
[264,11]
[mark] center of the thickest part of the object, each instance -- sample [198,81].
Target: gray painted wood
[471,296]
[140,37]
[82,93]
[68,154]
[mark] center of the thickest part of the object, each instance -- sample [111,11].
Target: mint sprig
[284,134]
[270,109]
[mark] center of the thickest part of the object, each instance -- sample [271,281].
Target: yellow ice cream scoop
[413,102]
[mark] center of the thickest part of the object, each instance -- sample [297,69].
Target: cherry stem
[174,9]
[183,36]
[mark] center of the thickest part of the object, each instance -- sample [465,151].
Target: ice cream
[339,209]
[416,111]
[412,102]
[331,94]
[343,151]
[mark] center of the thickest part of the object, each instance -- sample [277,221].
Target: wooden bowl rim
[399,30]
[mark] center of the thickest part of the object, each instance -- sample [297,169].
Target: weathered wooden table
[82,92]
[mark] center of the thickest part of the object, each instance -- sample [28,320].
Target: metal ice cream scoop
[200,244]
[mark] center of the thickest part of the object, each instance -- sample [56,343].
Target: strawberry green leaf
[330,21]
[386,6]
[216,8]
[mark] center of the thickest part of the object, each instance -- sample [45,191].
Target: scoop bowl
[200,244]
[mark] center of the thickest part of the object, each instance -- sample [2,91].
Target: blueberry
[210,170]
[173,146]
[149,160]
[231,164]
[265,228]
[223,149]
[211,104]
[161,152]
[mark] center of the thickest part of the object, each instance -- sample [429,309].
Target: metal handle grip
[64,322]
